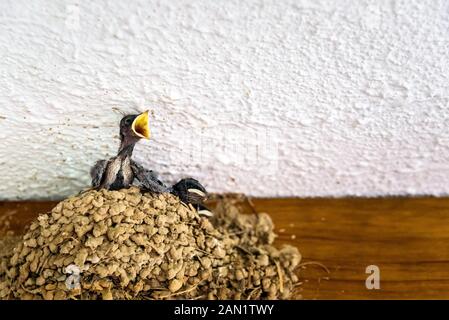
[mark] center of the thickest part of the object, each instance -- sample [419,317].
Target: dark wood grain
[407,238]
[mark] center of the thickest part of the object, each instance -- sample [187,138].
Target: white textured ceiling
[270,98]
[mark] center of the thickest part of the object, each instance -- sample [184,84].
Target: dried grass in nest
[129,245]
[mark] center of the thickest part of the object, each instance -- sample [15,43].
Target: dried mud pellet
[175,285]
[31,243]
[206,262]
[59,295]
[116,209]
[263,260]
[158,204]
[219,252]
[129,212]
[175,253]
[40,281]
[163,231]
[48,295]
[94,242]
[50,286]
[81,257]
[106,294]
[47,273]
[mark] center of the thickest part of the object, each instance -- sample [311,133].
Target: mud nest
[129,245]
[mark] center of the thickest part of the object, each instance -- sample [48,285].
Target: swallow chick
[117,173]
[191,191]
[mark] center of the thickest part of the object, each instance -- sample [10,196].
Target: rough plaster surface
[270,98]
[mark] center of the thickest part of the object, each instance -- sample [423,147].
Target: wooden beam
[407,238]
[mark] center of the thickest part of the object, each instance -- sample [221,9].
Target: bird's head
[134,127]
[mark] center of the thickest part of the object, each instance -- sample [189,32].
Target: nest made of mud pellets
[129,245]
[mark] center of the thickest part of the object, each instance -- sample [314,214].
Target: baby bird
[120,171]
[116,173]
[189,190]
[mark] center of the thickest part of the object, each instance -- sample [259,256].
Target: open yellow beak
[141,126]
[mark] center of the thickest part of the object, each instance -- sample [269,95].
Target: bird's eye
[128,121]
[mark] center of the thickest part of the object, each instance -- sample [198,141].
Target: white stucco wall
[270,98]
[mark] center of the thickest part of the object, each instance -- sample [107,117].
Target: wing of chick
[97,172]
[148,178]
